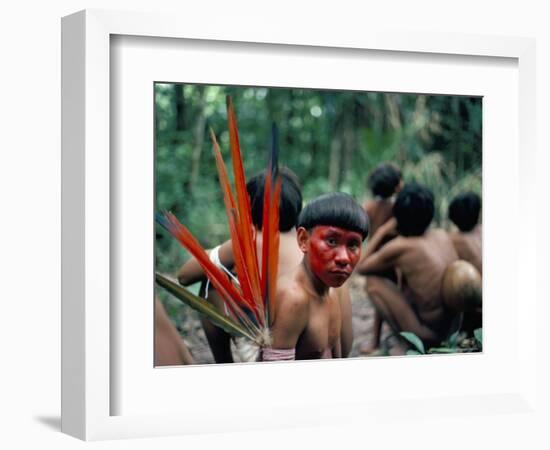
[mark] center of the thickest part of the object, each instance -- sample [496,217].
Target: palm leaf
[229,293]
[202,306]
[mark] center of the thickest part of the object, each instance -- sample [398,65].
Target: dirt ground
[362,313]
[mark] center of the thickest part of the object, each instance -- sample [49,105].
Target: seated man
[421,255]
[464,213]
[290,256]
[308,313]
[384,182]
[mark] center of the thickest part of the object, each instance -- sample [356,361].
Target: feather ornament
[250,302]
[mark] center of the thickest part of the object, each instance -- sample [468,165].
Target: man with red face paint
[308,315]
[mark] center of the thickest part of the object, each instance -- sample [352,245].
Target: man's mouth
[341,273]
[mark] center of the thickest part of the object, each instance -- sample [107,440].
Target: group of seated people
[406,263]
[420,279]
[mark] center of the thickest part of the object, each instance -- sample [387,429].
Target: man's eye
[353,246]
[331,241]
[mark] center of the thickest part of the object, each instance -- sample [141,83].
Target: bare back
[423,261]
[379,212]
[468,246]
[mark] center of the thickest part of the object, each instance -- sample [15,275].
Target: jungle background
[330,139]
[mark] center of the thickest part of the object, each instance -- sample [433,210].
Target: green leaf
[412,352]
[478,334]
[442,350]
[202,306]
[453,339]
[414,340]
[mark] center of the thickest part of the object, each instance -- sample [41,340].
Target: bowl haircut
[413,209]
[384,179]
[464,210]
[335,209]
[290,202]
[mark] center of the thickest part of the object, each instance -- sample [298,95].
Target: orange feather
[245,226]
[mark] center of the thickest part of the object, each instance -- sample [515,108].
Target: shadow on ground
[52,422]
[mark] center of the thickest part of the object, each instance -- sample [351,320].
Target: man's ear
[302,236]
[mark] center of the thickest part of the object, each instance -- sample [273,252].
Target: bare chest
[322,334]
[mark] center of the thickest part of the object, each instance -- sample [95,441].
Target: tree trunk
[335,162]
[198,139]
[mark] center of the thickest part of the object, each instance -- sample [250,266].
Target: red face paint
[333,253]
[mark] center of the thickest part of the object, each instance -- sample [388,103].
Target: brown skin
[310,313]
[422,260]
[468,246]
[346,332]
[170,349]
[379,212]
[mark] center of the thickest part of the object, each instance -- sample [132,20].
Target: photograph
[305,224]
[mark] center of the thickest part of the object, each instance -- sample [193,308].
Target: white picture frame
[87,327]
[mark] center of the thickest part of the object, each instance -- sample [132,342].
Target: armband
[278,354]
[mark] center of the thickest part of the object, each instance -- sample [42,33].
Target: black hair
[384,179]
[290,203]
[335,209]
[464,210]
[413,209]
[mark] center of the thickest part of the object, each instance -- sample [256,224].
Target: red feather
[218,279]
[246,237]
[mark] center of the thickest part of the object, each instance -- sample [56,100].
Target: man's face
[332,252]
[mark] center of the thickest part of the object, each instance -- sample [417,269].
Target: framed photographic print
[140,92]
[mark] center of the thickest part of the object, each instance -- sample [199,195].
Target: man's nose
[342,256]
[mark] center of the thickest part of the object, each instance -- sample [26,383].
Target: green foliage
[331,139]
[458,342]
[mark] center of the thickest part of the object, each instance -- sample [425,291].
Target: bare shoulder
[369,206]
[291,313]
[397,245]
[440,234]
[291,296]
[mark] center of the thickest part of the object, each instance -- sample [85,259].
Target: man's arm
[290,322]
[346,334]
[169,346]
[191,271]
[383,259]
[388,229]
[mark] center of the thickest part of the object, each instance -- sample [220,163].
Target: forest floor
[362,315]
